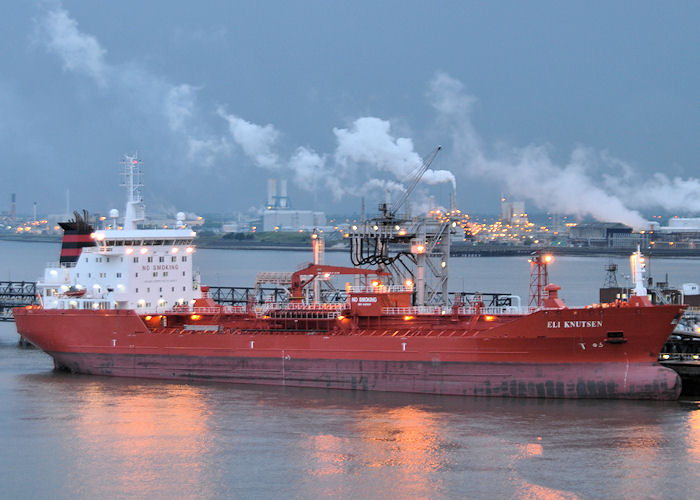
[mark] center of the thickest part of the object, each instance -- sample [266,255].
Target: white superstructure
[148,270]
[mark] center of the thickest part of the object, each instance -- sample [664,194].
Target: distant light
[195,317]
[375,283]
[489,318]
[128,251]
[174,250]
[189,250]
[148,318]
[548,259]
[354,228]
[143,250]
[407,318]
[408,283]
[376,227]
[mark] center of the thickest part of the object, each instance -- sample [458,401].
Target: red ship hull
[564,353]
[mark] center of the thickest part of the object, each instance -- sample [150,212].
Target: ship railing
[57,265]
[326,310]
[409,311]
[379,289]
[299,314]
[495,310]
[326,306]
[466,311]
[218,309]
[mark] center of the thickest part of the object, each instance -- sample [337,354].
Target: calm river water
[65,436]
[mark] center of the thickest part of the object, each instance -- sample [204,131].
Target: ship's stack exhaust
[76,236]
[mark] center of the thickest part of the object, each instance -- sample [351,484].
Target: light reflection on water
[152,439]
[124,438]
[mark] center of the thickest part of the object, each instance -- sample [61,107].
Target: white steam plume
[527,172]
[80,52]
[369,141]
[146,93]
[256,141]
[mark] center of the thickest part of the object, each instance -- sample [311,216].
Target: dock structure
[15,294]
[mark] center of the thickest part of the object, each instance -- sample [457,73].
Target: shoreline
[457,249]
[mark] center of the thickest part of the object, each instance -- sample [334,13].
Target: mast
[638,266]
[131,180]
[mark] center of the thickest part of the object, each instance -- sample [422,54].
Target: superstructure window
[184,258]
[136,259]
[161,259]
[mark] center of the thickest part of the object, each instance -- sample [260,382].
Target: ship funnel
[76,235]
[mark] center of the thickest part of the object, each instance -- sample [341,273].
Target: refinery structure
[513,226]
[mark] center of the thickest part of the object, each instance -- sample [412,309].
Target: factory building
[279,216]
[513,212]
[604,234]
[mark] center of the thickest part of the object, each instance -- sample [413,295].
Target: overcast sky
[576,107]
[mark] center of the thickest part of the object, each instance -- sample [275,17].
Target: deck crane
[414,250]
[390,212]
